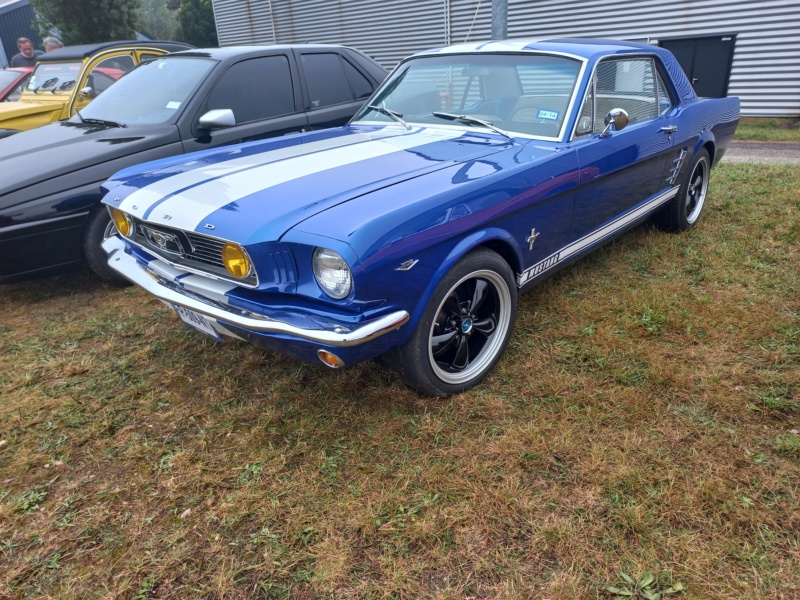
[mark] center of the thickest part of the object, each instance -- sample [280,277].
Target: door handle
[669,129]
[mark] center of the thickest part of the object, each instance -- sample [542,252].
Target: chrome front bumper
[337,335]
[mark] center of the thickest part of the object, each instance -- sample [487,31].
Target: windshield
[7,78]
[151,94]
[520,93]
[54,76]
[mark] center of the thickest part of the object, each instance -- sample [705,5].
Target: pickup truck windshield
[151,94]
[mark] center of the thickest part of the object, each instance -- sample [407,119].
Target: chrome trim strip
[595,236]
[127,266]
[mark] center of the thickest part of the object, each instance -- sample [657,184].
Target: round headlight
[122,222]
[235,260]
[332,273]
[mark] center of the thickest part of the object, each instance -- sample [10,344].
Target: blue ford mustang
[472,173]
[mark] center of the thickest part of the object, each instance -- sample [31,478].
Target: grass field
[643,424]
[763,129]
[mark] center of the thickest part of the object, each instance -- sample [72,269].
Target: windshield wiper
[473,121]
[101,121]
[390,113]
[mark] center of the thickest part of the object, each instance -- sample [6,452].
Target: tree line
[92,21]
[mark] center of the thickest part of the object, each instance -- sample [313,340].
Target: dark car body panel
[55,171]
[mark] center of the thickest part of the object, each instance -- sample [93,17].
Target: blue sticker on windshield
[551,115]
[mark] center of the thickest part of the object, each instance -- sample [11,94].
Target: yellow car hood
[23,115]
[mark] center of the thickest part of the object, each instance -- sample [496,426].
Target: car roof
[583,48]
[81,52]
[237,51]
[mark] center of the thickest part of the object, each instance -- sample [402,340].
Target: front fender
[486,237]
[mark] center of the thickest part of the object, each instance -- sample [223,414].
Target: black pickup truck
[51,219]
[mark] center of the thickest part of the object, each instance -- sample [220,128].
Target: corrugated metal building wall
[766,60]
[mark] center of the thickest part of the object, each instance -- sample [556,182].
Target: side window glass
[626,84]
[258,88]
[362,88]
[108,71]
[325,80]
[664,101]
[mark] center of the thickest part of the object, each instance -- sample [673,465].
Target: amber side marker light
[330,359]
[235,260]
[122,222]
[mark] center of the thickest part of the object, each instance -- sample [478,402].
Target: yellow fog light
[235,260]
[122,222]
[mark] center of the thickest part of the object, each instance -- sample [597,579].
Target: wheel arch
[708,142]
[496,239]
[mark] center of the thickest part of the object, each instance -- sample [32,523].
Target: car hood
[11,111]
[35,156]
[255,192]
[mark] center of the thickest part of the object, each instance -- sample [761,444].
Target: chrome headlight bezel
[332,273]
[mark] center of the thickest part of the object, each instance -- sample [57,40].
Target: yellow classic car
[67,79]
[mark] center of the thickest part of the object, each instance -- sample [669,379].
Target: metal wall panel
[766,61]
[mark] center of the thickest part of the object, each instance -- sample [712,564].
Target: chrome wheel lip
[491,350]
[701,169]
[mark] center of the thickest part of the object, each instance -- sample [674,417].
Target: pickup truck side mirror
[218,118]
[88,91]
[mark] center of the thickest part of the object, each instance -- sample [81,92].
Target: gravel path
[763,152]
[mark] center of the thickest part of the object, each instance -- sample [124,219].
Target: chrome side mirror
[88,91]
[616,117]
[218,118]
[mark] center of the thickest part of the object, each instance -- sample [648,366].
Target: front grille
[205,249]
[193,251]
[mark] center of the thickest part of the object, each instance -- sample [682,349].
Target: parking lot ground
[763,152]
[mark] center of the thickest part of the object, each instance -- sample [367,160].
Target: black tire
[465,327]
[683,211]
[98,228]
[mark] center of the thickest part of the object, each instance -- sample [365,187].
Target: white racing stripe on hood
[140,201]
[186,210]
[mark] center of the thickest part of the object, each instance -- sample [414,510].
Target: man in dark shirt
[27,55]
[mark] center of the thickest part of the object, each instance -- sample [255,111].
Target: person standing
[27,55]
[52,43]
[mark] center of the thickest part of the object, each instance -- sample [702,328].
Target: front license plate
[196,321]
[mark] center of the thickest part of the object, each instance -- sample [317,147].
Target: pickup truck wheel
[465,327]
[684,210]
[98,229]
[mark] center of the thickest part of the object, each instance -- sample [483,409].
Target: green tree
[158,21]
[197,23]
[88,21]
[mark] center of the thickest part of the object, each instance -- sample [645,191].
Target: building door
[706,62]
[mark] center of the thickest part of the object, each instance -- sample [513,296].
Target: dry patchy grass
[644,420]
